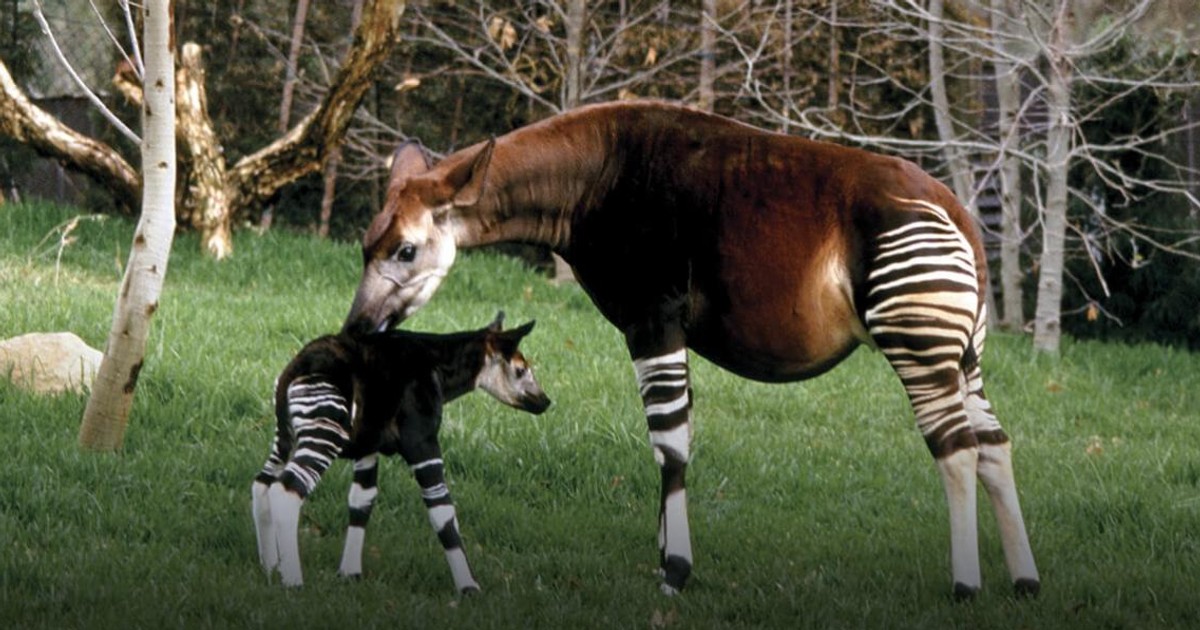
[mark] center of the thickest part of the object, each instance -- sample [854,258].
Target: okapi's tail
[974,349]
[284,436]
[975,341]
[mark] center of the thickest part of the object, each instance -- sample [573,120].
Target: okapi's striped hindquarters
[924,311]
[772,256]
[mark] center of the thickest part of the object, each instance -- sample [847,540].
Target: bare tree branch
[91,96]
[29,124]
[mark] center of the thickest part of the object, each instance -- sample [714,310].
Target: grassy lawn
[812,505]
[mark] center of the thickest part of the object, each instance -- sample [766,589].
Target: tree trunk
[961,177]
[1047,315]
[30,125]
[293,60]
[576,18]
[572,95]
[206,178]
[329,181]
[835,55]
[1008,92]
[708,54]
[107,411]
[786,108]
[255,178]
[306,146]
[960,168]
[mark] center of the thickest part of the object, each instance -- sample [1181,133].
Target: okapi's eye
[406,252]
[521,371]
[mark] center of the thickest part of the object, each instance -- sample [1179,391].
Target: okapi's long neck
[538,178]
[461,359]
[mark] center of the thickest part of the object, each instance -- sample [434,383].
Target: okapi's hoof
[350,577]
[1027,588]
[676,571]
[964,593]
[470,591]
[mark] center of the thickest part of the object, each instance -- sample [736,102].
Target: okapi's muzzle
[506,374]
[393,289]
[534,402]
[370,310]
[512,382]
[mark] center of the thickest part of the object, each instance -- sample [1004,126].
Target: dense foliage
[1145,256]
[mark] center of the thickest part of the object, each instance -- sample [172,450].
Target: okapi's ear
[408,159]
[506,342]
[519,332]
[470,190]
[497,324]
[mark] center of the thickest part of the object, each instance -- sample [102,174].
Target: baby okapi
[358,396]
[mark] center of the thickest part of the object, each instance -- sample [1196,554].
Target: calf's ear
[522,330]
[506,342]
[497,324]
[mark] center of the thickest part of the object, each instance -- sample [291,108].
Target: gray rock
[49,363]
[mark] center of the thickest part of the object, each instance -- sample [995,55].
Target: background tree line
[1069,126]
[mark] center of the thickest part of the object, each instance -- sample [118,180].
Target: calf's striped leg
[362,498]
[260,505]
[666,396]
[430,474]
[996,472]
[320,419]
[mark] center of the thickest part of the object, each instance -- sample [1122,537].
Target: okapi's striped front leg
[320,419]
[429,470]
[663,384]
[362,498]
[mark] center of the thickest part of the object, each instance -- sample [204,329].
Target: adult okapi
[770,255]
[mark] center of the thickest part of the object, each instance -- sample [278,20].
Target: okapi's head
[506,375]
[410,244]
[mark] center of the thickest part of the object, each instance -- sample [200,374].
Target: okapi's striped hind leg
[996,472]
[320,419]
[666,395]
[921,309]
[362,498]
[941,417]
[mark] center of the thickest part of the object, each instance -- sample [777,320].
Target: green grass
[812,505]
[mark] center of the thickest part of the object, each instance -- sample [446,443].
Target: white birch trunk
[107,411]
[1047,315]
[1008,92]
[293,60]
[961,179]
[960,168]
[576,16]
[572,96]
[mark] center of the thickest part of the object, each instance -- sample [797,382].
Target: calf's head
[410,245]
[506,375]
